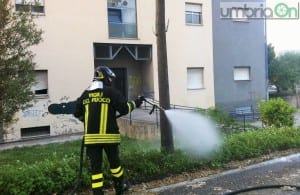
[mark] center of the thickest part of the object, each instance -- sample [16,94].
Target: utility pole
[1,132]
[163,78]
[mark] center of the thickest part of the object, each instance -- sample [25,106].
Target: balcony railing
[122,30]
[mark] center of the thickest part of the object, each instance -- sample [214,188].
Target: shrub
[276,112]
[220,116]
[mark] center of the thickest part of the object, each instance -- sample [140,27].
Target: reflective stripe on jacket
[97,108]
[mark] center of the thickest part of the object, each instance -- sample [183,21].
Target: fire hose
[262,187]
[76,187]
[154,106]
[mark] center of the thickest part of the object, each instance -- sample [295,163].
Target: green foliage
[254,143]
[17,34]
[218,115]
[53,168]
[271,54]
[285,70]
[224,121]
[276,112]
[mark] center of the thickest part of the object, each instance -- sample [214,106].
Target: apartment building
[240,54]
[80,35]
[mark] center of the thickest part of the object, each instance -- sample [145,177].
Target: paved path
[280,171]
[41,141]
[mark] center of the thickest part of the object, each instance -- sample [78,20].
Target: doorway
[120,82]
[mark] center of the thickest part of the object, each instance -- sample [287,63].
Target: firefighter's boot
[121,187]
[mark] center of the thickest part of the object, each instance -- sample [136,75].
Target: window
[33,132]
[114,15]
[144,52]
[195,78]
[41,83]
[139,52]
[241,73]
[102,51]
[33,6]
[122,18]
[193,13]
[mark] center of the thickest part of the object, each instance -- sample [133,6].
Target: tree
[18,33]
[271,54]
[285,71]
[163,79]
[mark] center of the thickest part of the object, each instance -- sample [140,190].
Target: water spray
[194,133]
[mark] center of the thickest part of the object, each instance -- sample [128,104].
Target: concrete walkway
[279,171]
[41,141]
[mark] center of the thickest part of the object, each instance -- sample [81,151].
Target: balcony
[122,30]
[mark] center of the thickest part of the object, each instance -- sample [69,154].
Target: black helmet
[104,74]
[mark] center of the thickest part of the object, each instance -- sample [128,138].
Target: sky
[284,34]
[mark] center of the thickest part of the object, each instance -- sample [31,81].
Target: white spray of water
[194,133]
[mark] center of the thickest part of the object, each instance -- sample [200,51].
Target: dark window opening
[110,51]
[102,51]
[32,132]
[41,92]
[30,8]
[144,52]
[37,9]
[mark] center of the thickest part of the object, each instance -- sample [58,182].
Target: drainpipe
[1,132]
[266,59]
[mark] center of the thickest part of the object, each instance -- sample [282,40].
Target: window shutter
[193,7]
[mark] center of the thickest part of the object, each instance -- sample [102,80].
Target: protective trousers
[95,154]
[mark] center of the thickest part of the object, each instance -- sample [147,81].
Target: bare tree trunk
[163,78]
[1,132]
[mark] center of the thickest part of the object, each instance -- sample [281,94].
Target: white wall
[70,29]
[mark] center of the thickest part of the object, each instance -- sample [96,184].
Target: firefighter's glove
[138,102]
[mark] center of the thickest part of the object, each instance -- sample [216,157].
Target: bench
[244,112]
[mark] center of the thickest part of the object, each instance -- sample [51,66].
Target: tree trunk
[1,132]
[163,79]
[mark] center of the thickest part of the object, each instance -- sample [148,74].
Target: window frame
[239,77]
[37,84]
[191,76]
[193,13]
[30,6]
[126,27]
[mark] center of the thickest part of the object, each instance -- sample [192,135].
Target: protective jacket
[97,107]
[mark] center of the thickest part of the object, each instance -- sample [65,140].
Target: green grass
[52,168]
[30,155]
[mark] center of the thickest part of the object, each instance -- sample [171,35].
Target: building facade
[240,59]
[80,35]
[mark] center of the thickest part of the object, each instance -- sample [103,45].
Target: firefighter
[97,108]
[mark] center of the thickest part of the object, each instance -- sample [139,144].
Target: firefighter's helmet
[104,74]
